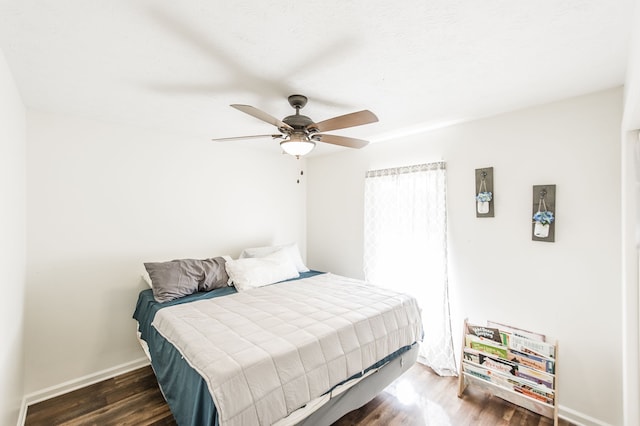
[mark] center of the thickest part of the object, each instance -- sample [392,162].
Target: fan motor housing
[297,121]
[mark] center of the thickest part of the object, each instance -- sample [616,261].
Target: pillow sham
[182,277]
[292,251]
[251,272]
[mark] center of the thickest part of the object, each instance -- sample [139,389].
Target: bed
[303,350]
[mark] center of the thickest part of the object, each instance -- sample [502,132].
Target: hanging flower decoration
[545,217]
[484,196]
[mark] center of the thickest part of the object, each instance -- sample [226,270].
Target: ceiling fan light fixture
[297,146]
[300,133]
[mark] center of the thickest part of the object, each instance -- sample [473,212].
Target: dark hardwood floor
[419,397]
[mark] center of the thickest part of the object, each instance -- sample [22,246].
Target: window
[405,248]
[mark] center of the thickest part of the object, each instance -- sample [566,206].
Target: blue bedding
[184,389]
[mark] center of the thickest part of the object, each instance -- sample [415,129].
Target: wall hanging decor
[484,192]
[544,213]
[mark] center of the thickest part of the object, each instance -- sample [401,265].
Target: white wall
[631,229]
[103,199]
[570,289]
[12,243]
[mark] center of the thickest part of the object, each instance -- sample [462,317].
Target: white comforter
[266,352]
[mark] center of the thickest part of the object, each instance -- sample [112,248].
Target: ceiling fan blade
[261,115]
[343,121]
[233,138]
[341,140]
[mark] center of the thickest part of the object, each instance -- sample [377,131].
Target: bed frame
[359,394]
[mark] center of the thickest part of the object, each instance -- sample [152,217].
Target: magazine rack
[512,370]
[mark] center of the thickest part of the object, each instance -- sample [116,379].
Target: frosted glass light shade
[297,147]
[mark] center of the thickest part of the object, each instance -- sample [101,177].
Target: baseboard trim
[71,385]
[22,415]
[578,418]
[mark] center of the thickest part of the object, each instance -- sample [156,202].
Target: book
[533,347]
[478,372]
[512,363]
[535,376]
[472,355]
[510,381]
[529,360]
[488,375]
[533,393]
[508,367]
[484,332]
[517,331]
[486,345]
[495,363]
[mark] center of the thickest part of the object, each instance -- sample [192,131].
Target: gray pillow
[182,277]
[215,274]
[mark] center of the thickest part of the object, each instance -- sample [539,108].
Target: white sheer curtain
[405,248]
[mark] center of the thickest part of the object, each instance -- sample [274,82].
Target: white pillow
[291,249]
[252,272]
[147,279]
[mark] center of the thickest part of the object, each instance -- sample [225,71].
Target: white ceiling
[176,66]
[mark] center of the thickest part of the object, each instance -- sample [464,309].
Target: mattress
[187,355]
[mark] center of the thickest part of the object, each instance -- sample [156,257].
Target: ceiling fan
[299,133]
